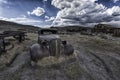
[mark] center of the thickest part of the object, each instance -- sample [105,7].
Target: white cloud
[37,11]
[44,0]
[115,10]
[115,1]
[22,20]
[3,1]
[28,12]
[49,19]
[82,12]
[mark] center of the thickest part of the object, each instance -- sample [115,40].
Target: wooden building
[116,32]
[104,28]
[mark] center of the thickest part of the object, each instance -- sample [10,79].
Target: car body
[51,39]
[49,44]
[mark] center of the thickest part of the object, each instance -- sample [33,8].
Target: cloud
[37,11]
[44,0]
[49,19]
[84,12]
[115,1]
[22,20]
[3,1]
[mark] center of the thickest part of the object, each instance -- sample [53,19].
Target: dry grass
[73,71]
[67,65]
[49,61]
[18,48]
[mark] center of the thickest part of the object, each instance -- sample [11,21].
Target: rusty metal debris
[18,35]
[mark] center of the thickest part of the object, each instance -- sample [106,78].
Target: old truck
[49,44]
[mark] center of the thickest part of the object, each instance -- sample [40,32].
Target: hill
[6,25]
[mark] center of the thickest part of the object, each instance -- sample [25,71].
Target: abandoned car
[49,44]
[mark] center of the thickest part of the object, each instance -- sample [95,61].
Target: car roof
[49,37]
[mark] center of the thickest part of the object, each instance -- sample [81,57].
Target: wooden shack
[116,32]
[104,28]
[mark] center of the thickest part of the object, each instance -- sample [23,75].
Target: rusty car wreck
[49,45]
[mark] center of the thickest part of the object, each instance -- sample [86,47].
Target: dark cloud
[84,12]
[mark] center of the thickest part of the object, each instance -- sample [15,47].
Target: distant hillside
[72,28]
[6,25]
[77,27]
[106,25]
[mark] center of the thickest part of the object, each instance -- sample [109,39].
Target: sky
[45,13]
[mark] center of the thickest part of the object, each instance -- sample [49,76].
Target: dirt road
[99,58]
[95,59]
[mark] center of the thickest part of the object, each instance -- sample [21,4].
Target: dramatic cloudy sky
[60,12]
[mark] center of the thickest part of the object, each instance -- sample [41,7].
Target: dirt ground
[95,58]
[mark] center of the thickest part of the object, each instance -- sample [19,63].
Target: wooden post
[2,45]
[20,38]
[4,48]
